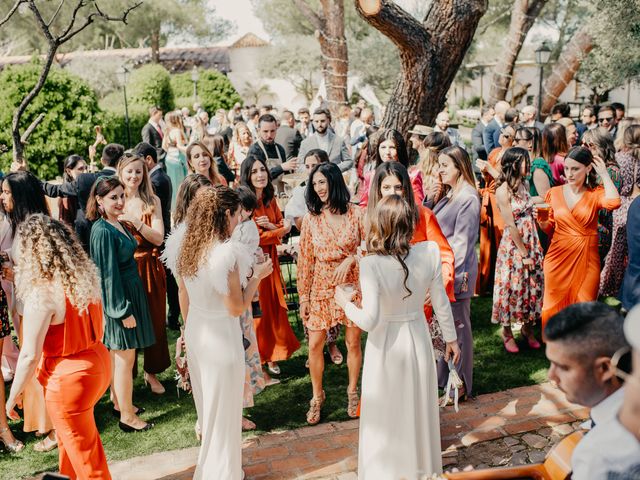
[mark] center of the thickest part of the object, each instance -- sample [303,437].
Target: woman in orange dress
[491,222]
[62,331]
[329,239]
[276,340]
[143,213]
[572,263]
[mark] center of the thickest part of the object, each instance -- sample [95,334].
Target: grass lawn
[280,407]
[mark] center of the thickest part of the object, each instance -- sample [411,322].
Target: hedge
[214,90]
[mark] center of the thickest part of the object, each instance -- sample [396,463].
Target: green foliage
[214,90]
[70,107]
[150,85]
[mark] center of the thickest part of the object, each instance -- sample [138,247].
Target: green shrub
[151,85]
[71,110]
[214,90]
[113,119]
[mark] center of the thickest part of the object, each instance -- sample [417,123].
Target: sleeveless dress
[517,290]
[216,362]
[400,422]
[122,291]
[154,281]
[75,371]
[176,163]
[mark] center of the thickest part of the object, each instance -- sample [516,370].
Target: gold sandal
[13,447]
[315,405]
[353,400]
[46,444]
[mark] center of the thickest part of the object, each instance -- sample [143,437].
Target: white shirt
[323,141]
[608,447]
[155,168]
[297,205]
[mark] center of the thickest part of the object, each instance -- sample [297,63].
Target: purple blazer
[459,219]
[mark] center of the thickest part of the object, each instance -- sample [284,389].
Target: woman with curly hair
[399,374]
[220,283]
[142,214]
[124,302]
[63,327]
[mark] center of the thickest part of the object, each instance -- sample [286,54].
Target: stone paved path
[505,428]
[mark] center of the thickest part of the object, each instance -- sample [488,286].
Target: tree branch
[55,14]
[27,133]
[12,11]
[98,14]
[308,12]
[42,24]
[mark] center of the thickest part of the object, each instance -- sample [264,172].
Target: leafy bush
[114,123]
[70,107]
[214,90]
[151,85]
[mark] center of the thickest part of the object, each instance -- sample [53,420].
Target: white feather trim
[222,259]
[172,246]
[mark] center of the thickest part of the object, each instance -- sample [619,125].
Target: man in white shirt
[442,125]
[581,341]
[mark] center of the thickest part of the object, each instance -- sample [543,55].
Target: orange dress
[276,340]
[572,263]
[491,228]
[154,281]
[323,247]
[75,371]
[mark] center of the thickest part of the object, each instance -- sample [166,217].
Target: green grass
[279,407]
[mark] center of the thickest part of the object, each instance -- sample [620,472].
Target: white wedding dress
[215,355]
[399,421]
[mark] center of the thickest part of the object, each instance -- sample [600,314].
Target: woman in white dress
[399,422]
[220,284]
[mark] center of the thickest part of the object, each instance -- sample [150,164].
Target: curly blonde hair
[50,254]
[206,222]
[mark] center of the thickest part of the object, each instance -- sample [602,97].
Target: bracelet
[250,276]
[139,227]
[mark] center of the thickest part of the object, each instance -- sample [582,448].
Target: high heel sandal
[353,399]
[158,390]
[15,446]
[315,405]
[531,339]
[511,349]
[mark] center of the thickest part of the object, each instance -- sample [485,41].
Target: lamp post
[123,73]
[543,52]
[195,76]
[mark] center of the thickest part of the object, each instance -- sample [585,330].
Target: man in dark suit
[152,131]
[492,130]
[163,189]
[288,136]
[486,115]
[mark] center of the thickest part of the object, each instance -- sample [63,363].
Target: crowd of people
[190,225]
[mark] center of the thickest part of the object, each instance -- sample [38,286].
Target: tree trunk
[565,68]
[524,14]
[155,45]
[430,53]
[335,57]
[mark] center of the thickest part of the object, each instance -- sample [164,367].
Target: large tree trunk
[523,15]
[155,45]
[430,53]
[565,68]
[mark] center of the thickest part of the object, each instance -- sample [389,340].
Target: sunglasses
[506,135]
[605,119]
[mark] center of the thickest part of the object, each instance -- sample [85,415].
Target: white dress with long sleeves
[399,422]
[216,362]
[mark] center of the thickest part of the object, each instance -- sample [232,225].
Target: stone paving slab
[503,428]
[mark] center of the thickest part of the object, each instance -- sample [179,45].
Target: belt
[402,317]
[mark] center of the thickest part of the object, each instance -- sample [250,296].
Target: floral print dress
[517,291]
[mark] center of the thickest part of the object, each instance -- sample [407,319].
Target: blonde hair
[623,125]
[51,256]
[145,189]
[207,222]
[174,122]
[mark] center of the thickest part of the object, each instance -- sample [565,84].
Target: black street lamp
[123,74]
[195,76]
[543,53]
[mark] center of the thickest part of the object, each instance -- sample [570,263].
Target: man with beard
[326,140]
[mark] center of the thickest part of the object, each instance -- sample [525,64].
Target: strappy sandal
[315,405]
[353,400]
[336,356]
[13,447]
[46,444]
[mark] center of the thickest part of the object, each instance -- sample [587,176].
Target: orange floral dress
[323,247]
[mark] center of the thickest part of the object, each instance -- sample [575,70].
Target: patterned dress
[517,291]
[5,326]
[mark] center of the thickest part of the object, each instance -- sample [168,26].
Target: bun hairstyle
[583,155]
[631,141]
[69,164]
[101,188]
[511,167]
[391,227]
[207,222]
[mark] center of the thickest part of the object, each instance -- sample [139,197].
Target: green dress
[539,163]
[122,290]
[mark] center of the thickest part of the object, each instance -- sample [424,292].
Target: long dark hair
[391,229]
[511,167]
[585,157]
[69,164]
[101,188]
[27,196]
[187,190]
[338,201]
[397,170]
[245,178]
[401,146]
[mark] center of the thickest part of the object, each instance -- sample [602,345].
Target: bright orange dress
[276,340]
[323,247]
[572,263]
[491,228]
[75,371]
